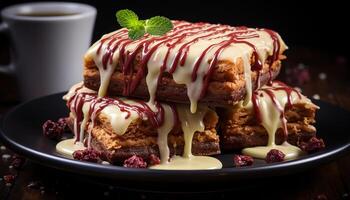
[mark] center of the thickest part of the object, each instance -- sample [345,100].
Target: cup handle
[6,69]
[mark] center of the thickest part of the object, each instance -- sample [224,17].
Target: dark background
[315,24]
[317,34]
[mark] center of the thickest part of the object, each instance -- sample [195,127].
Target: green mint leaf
[136,32]
[158,25]
[127,18]
[143,22]
[137,28]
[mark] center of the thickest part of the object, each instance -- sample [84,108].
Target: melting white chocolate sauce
[186,51]
[68,146]
[191,163]
[120,119]
[190,123]
[271,103]
[200,37]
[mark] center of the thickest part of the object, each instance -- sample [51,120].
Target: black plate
[21,130]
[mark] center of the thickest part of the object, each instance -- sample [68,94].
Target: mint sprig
[136,32]
[157,25]
[127,18]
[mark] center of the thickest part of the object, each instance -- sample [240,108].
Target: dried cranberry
[104,156]
[52,130]
[63,123]
[89,155]
[9,178]
[135,162]
[313,145]
[274,155]
[17,161]
[154,160]
[242,160]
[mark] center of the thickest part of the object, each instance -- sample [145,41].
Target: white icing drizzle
[248,80]
[290,151]
[68,146]
[105,76]
[190,123]
[153,75]
[271,115]
[77,88]
[121,119]
[118,119]
[86,118]
[163,131]
[192,163]
[193,38]
[73,98]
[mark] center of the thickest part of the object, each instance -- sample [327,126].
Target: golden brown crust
[140,131]
[224,71]
[226,87]
[240,129]
[140,138]
[118,156]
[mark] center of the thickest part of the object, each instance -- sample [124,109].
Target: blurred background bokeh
[319,24]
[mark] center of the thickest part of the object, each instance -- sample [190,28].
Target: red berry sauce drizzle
[278,86]
[97,104]
[178,40]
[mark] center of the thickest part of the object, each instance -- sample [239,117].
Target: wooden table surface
[318,74]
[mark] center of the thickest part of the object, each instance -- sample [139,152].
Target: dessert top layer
[189,52]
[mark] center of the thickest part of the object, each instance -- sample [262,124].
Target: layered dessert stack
[194,91]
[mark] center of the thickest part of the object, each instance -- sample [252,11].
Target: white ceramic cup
[48,41]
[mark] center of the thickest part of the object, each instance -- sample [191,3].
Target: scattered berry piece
[274,155]
[242,160]
[135,162]
[88,155]
[53,130]
[63,123]
[9,179]
[17,161]
[313,145]
[154,160]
